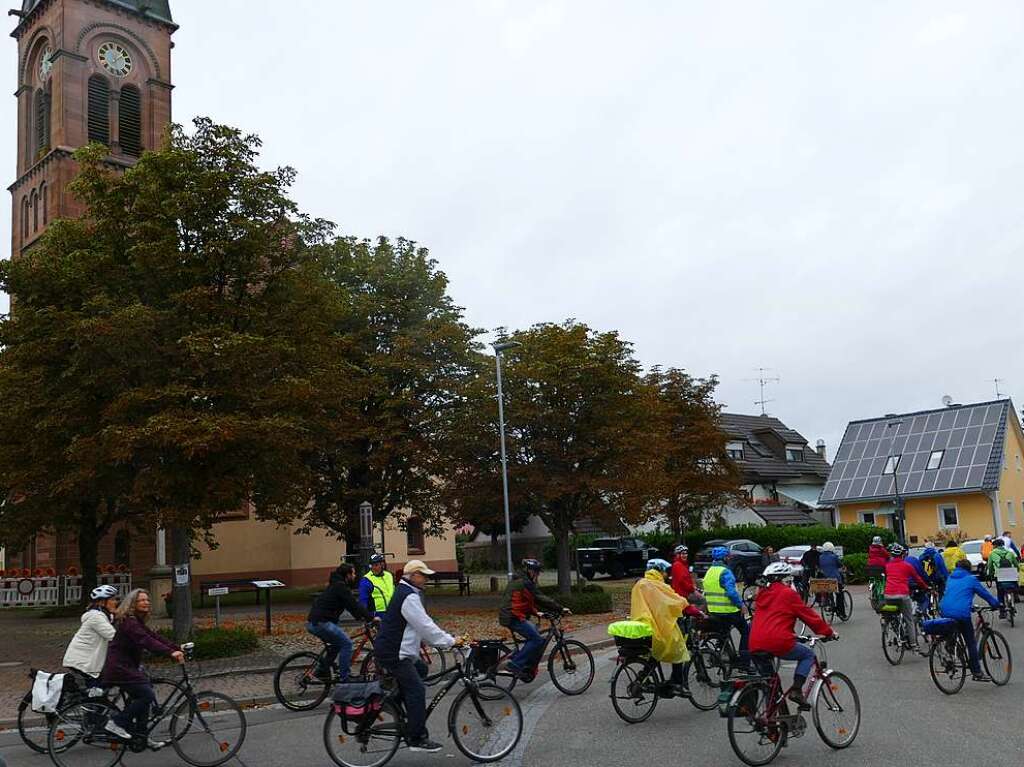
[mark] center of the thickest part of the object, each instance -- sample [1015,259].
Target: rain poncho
[654,602]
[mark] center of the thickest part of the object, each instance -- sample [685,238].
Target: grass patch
[212,643]
[66,611]
[586,600]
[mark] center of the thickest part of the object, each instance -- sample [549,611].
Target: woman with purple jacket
[123,668]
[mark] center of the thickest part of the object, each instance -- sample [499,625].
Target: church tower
[88,71]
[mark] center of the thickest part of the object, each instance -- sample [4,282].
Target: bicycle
[1008,597]
[749,595]
[639,681]
[570,663]
[205,729]
[758,718]
[35,737]
[485,721]
[948,657]
[298,685]
[896,633]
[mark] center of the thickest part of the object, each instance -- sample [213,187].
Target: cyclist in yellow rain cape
[654,602]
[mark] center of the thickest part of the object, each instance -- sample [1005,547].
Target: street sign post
[217,592]
[267,587]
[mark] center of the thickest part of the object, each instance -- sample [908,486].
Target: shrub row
[856,564]
[214,643]
[588,600]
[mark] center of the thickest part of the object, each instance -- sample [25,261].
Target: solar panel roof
[962,444]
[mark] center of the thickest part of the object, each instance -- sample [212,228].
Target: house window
[414,542]
[129,121]
[1011,513]
[948,516]
[734,450]
[867,517]
[935,460]
[99,109]
[892,464]
[794,453]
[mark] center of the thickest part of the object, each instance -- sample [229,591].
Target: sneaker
[120,732]
[797,696]
[154,745]
[679,691]
[981,677]
[425,746]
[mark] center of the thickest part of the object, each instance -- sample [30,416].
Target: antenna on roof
[763,380]
[947,400]
[998,381]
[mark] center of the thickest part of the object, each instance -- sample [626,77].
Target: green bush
[856,564]
[854,539]
[214,643]
[585,600]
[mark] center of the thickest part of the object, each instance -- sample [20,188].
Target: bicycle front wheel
[754,736]
[437,663]
[698,680]
[77,737]
[948,665]
[486,727]
[207,729]
[571,667]
[362,743]
[892,642]
[634,691]
[296,685]
[995,656]
[837,711]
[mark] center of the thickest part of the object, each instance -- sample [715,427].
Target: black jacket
[333,601]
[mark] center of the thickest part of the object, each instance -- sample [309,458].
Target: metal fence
[50,591]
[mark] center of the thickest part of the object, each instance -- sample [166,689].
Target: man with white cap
[404,627]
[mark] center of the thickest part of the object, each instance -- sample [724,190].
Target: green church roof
[156,9]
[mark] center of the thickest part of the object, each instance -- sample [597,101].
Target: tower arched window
[42,121]
[35,211]
[24,217]
[129,121]
[43,190]
[99,109]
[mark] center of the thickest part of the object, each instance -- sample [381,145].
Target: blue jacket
[961,588]
[931,554]
[828,563]
[919,566]
[728,582]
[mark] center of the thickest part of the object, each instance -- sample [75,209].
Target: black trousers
[135,717]
[409,674]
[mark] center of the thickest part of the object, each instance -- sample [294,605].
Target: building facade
[958,472]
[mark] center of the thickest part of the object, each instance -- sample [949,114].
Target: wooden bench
[459,579]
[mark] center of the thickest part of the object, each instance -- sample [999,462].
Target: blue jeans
[135,717]
[804,657]
[966,629]
[529,654]
[335,638]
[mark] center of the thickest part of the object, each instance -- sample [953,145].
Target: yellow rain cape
[653,601]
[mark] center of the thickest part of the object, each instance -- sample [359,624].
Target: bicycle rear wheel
[207,729]
[486,727]
[848,605]
[571,667]
[826,608]
[352,743]
[750,596]
[754,738]
[77,738]
[996,658]
[634,691]
[698,680]
[837,711]
[32,732]
[947,663]
[892,641]
[296,685]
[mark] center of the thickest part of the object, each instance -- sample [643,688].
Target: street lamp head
[504,346]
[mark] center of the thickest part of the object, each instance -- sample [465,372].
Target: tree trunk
[563,548]
[497,556]
[181,556]
[88,547]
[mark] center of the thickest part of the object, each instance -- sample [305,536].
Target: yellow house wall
[264,545]
[849,514]
[973,509]
[1011,482]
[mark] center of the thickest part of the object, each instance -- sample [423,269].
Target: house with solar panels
[957,471]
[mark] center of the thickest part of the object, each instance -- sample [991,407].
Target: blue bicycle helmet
[719,552]
[658,564]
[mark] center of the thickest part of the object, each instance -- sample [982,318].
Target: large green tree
[578,419]
[409,353]
[170,351]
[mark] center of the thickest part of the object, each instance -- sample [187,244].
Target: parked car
[792,556]
[745,559]
[973,551]
[616,557]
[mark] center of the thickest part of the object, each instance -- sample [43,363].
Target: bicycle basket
[939,626]
[485,653]
[823,585]
[631,637]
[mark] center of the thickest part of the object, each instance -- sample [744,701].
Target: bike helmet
[681,549]
[102,592]
[897,549]
[778,571]
[998,543]
[532,565]
[828,546]
[877,540]
[377,559]
[719,552]
[658,564]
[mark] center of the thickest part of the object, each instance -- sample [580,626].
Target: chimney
[820,447]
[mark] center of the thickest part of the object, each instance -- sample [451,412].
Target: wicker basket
[823,585]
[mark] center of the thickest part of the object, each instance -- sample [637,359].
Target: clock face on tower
[46,63]
[115,59]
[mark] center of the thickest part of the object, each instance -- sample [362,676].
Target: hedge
[588,600]
[857,565]
[214,643]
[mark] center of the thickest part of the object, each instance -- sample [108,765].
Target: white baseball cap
[416,566]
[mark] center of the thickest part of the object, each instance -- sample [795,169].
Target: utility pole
[763,379]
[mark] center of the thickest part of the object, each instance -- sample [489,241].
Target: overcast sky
[830,190]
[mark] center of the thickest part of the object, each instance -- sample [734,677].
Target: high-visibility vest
[718,601]
[383,589]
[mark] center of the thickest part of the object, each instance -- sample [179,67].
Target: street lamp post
[365,533]
[498,349]
[901,522]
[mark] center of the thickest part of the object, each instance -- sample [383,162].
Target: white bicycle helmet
[681,549]
[658,564]
[778,570]
[103,592]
